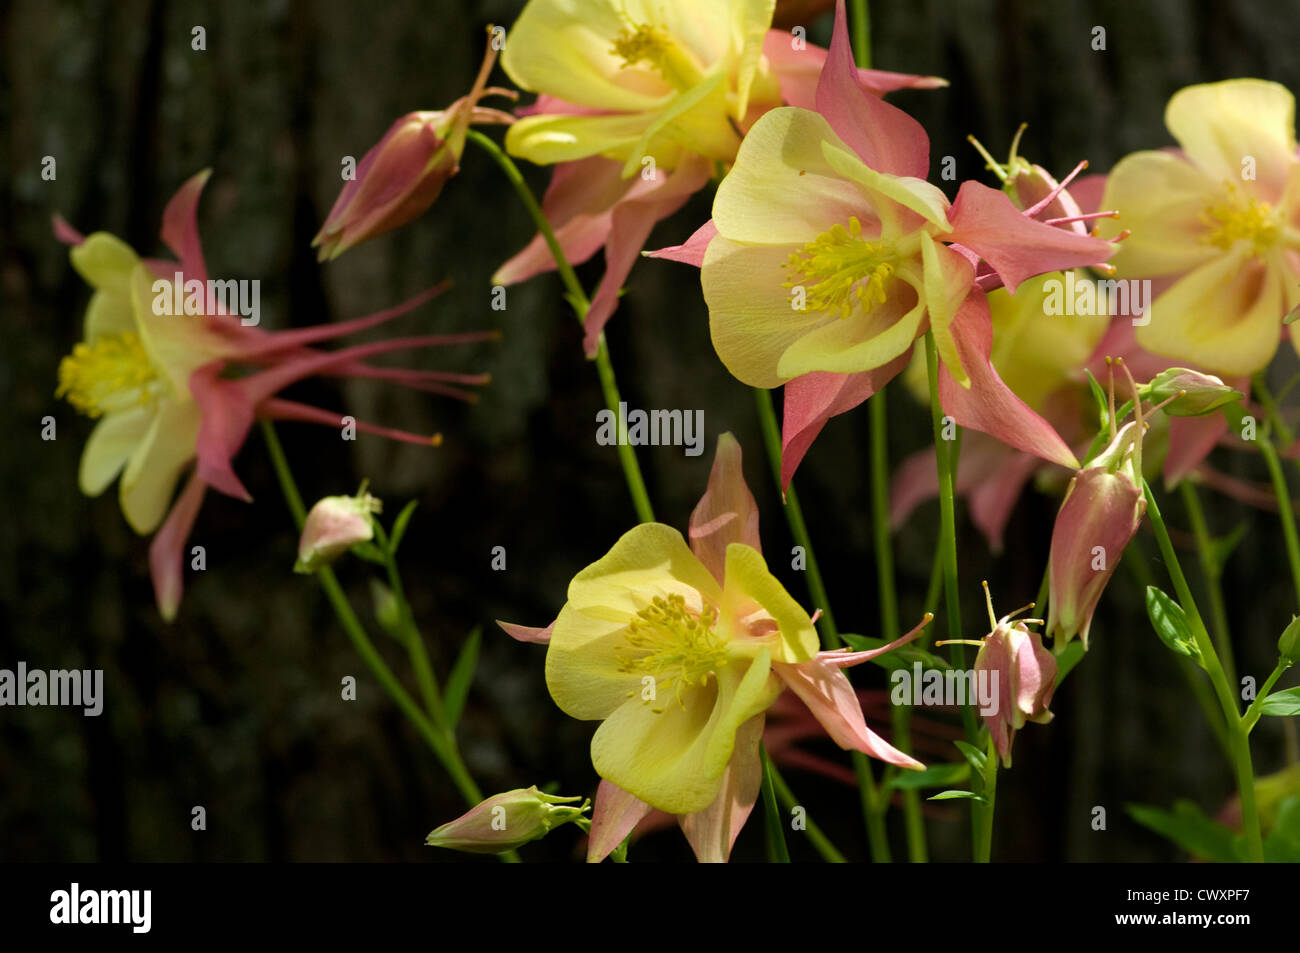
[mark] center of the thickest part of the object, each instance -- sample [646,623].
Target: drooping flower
[1025,674]
[828,255]
[334,525]
[638,103]
[679,651]
[403,174]
[1218,219]
[506,821]
[159,382]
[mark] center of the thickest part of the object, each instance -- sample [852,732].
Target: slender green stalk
[821,843]
[947,527]
[861,21]
[420,664]
[443,746]
[984,826]
[777,852]
[1213,577]
[577,298]
[1238,733]
[1254,712]
[1285,513]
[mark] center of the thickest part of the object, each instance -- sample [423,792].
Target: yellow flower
[1221,218]
[661,78]
[671,662]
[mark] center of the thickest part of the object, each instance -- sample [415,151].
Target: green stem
[1254,712]
[423,668]
[984,838]
[862,33]
[1285,513]
[886,585]
[443,747]
[947,527]
[1238,733]
[581,304]
[1213,577]
[777,852]
[821,843]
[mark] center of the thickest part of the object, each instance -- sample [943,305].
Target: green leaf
[949,795]
[935,776]
[462,674]
[1282,703]
[1282,846]
[399,527]
[977,758]
[1070,656]
[387,611]
[1188,827]
[1221,548]
[1099,396]
[902,658]
[1170,622]
[370,553]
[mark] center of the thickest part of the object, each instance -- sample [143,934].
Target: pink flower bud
[1024,675]
[506,821]
[1101,513]
[334,525]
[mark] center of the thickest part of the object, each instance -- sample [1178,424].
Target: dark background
[236,705]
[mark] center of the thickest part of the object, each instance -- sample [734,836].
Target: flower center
[652,45]
[111,374]
[1240,217]
[673,644]
[840,267]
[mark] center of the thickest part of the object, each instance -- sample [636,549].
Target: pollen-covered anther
[113,373]
[840,267]
[672,643]
[649,44]
[1240,217]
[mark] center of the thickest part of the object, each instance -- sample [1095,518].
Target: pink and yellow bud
[333,526]
[1024,674]
[506,821]
[1188,393]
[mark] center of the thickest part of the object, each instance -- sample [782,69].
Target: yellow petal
[111,443]
[1220,125]
[947,280]
[108,313]
[885,191]
[584,673]
[177,344]
[782,190]
[106,262]
[1160,199]
[674,759]
[752,318]
[556,138]
[748,580]
[151,474]
[750,21]
[696,121]
[1225,317]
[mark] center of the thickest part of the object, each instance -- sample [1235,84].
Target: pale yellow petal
[883,190]
[1229,127]
[547,139]
[106,262]
[111,443]
[146,489]
[177,344]
[108,313]
[748,580]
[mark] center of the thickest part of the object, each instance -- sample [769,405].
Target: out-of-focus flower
[679,651]
[158,381]
[1025,674]
[403,174]
[1220,220]
[640,103]
[333,526]
[506,821]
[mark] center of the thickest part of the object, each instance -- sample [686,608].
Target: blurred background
[236,705]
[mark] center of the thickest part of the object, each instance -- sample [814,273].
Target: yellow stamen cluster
[673,644]
[112,373]
[840,267]
[1240,217]
[654,46]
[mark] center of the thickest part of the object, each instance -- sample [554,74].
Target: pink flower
[1024,673]
[159,382]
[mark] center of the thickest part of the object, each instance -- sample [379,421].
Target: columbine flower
[1220,218]
[637,104]
[158,384]
[679,651]
[828,255]
[333,526]
[506,821]
[403,174]
[1025,673]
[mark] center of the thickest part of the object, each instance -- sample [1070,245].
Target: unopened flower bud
[333,526]
[1190,393]
[1288,646]
[506,821]
[1024,674]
